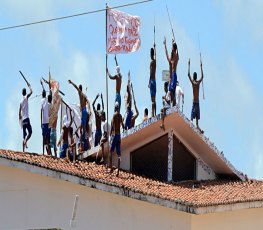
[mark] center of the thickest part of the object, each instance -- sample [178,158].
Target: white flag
[122,32]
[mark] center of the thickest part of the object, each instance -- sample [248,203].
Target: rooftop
[196,197]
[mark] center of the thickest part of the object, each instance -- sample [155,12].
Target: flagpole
[107,80]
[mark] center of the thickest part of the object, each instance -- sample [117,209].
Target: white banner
[122,32]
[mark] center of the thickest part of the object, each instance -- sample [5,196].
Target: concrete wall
[241,220]
[29,200]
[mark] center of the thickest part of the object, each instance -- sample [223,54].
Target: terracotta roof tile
[192,193]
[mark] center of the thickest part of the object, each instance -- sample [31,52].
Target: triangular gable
[198,144]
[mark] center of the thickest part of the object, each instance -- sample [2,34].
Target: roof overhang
[198,144]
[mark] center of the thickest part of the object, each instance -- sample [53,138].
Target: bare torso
[98,119]
[82,100]
[118,83]
[196,85]
[152,69]
[117,121]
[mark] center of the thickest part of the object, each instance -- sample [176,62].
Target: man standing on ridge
[118,78]
[115,133]
[98,115]
[173,61]
[83,101]
[152,80]
[195,114]
[24,116]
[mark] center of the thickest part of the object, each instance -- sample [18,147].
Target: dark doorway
[184,163]
[151,159]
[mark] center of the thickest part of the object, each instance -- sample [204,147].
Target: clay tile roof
[190,193]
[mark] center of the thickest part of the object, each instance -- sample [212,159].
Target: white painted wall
[246,219]
[29,200]
[203,171]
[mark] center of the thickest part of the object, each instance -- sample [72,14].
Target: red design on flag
[122,32]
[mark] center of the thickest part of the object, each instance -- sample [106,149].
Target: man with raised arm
[98,114]
[118,79]
[129,113]
[64,136]
[173,61]
[115,133]
[83,101]
[24,116]
[152,80]
[45,107]
[195,114]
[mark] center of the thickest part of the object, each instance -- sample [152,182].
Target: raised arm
[202,74]
[166,52]
[74,85]
[110,76]
[102,103]
[189,76]
[93,104]
[136,110]
[115,58]
[31,91]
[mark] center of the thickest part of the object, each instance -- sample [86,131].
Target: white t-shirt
[168,98]
[105,124]
[179,93]
[24,108]
[45,110]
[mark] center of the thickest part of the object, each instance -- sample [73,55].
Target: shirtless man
[152,80]
[173,61]
[195,114]
[24,116]
[116,136]
[65,136]
[83,101]
[98,115]
[118,79]
[135,116]
[129,113]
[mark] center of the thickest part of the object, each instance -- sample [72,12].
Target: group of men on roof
[70,141]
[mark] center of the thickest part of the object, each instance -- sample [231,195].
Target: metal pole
[107,81]
[200,63]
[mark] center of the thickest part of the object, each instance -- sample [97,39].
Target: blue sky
[231,40]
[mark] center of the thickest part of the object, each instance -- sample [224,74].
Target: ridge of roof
[191,196]
[205,139]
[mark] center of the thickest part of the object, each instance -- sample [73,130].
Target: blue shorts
[98,135]
[63,151]
[83,117]
[116,143]
[195,111]
[118,99]
[45,131]
[153,88]
[172,85]
[53,139]
[128,119]
[26,126]
[85,142]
